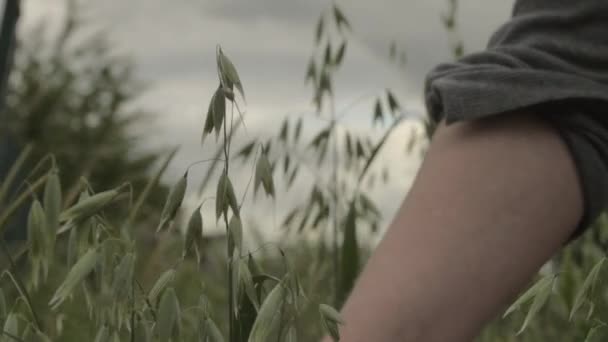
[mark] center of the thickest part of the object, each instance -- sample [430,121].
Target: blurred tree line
[72,95]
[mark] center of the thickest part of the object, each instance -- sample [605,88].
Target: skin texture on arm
[494,199]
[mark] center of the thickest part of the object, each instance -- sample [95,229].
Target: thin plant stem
[228,251]
[336,261]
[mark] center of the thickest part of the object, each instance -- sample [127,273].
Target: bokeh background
[119,91]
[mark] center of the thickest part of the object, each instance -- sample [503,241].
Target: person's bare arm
[493,200]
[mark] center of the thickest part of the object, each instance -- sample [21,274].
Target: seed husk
[229,75]
[235,230]
[263,175]
[79,271]
[91,205]
[330,314]
[269,315]
[174,201]
[225,197]
[123,275]
[52,205]
[36,226]
[168,315]
[161,284]
[194,234]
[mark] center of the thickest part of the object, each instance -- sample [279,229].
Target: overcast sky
[173,43]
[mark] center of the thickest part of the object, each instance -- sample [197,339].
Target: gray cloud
[246,12]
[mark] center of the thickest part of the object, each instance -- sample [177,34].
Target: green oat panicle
[210,118]
[161,284]
[36,226]
[537,304]
[91,205]
[332,329]
[123,275]
[232,201]
[255,269]
[235,231]
[219,109]
[168,320]
[39,244]
[79,271]
[228,93]
[225,197]
[246,285]
[52,193]
[392,103]
[52,207]
[311,72]
[330,318]
[193,240]
[378,112]
[319,30]
[269,316]
[340,19]
[533,291]
[340,54]
[228,74]
[174,201]
[220,197]
[263,175]
[330,314]
[587,287]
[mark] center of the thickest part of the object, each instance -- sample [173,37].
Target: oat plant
[96,255]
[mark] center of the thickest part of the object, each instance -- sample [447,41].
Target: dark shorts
[551,58]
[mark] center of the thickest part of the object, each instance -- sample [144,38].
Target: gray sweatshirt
[552,57]
[549,50]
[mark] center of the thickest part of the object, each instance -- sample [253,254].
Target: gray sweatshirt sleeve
[549,50]
[551,57]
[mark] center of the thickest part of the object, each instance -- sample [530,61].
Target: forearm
[492,202]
